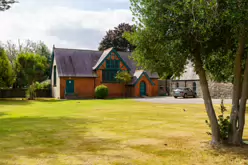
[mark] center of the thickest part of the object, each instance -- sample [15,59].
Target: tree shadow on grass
[2,114]
[38,137]
[14,102]
[27,102]
[235,151]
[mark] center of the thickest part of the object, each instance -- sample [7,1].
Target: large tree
[169,33]
[30,68]
[6,4]
[13,50]
[114,38]
[6,72]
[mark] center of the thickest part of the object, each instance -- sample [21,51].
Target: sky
[79,24]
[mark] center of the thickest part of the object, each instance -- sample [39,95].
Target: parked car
[184,92]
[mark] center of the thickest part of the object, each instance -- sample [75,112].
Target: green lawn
[108,132]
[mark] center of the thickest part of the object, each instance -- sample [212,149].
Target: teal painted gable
[144,74]
[100,63]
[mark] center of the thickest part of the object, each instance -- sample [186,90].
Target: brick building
[79,72]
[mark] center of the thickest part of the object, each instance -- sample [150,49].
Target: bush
[31,92]
[44,85]
[223,122]
[101,92]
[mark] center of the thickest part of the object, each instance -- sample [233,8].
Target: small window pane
[108,63]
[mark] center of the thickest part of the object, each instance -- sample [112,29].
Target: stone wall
[220,90]
[217,90]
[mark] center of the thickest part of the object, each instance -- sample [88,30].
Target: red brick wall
[115,89]
[83,87]
[150,90]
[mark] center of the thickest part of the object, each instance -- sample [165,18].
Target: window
[194,86]
[177,84]
[54,76]
[109,75]
[112,64]
[112,67]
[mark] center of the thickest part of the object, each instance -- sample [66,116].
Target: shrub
[44,85]
[223,122]
[101,92]
[31,91]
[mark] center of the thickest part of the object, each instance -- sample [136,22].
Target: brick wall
[115,89]
[83,87]
[150,90]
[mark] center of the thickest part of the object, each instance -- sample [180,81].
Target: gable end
[107,57]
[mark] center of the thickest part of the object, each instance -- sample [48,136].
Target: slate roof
[137,74]
[189,73]
[81,63]
[103,56]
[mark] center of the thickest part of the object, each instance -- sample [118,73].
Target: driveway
[172,100]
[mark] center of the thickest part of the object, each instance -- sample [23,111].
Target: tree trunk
[208,101]
[238,108]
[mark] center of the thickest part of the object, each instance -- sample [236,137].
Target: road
[172,100]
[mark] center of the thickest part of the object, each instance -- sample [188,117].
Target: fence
[21,93]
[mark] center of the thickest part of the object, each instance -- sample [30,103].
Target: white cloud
[51,23]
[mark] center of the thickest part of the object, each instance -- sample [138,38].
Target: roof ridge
[91,50]
[79,49]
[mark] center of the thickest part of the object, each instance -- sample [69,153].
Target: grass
[116,132]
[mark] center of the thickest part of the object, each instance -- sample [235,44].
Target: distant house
[188,79]
[79,72]
[191,80]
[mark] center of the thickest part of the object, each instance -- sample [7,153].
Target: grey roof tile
[81,63]
[103,56]
[137,75]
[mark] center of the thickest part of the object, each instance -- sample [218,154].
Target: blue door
[142,88]
[69,86]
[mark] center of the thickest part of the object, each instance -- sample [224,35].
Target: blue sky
[65,23]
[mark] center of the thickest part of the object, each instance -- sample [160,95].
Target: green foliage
[223,122]
[44,85]
[30,68]
[169,32]
[114,38]
[124,77]
[31,92]
[13,50]
[6,72]
[101,92]
[6,4]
